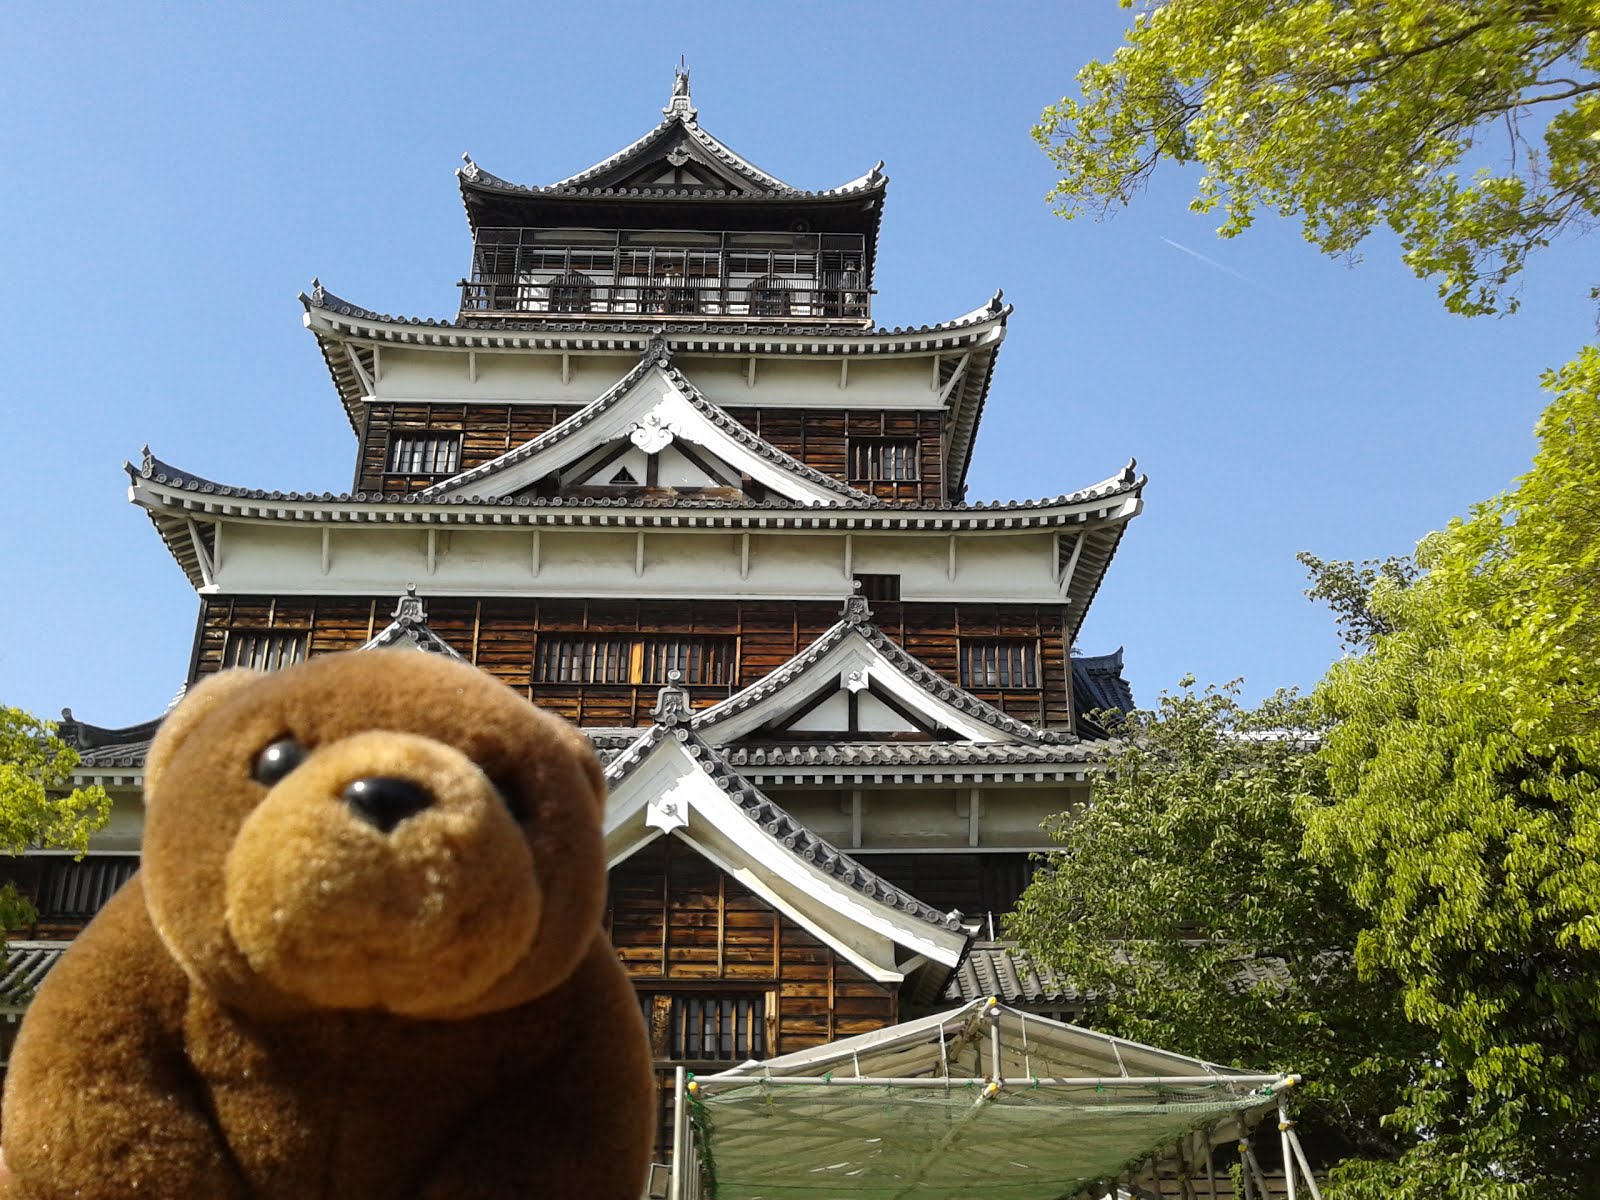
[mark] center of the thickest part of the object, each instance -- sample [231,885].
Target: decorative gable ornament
[681,106]
[654,433]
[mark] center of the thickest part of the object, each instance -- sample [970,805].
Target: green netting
[882,1142]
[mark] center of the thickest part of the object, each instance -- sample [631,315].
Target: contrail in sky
[1210,262]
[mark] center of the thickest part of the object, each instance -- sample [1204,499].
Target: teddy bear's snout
[384,801]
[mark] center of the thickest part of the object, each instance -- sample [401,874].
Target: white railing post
[680,1147]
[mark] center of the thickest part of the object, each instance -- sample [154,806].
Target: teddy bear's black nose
[385,801]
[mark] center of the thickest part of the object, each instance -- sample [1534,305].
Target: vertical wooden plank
[666,899]
[722,922]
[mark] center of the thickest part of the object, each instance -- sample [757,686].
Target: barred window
[71,889]
[581,658]
[878,587]
[425,454]
[264,649]
[1000,664]
[883,459]
[706,1027]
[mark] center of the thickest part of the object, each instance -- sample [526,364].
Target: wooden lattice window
[264,649]
[425,454]
[1000,663]
[878,587]
[76,890]
[580,658]
[706,1026]
[883,460]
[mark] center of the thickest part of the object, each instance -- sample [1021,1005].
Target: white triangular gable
[853,664]
[654,408]
[670,793]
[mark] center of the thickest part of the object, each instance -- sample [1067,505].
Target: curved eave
[339,325]
[184,507]
[872,184]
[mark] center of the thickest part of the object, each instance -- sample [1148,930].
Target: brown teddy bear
[362,959]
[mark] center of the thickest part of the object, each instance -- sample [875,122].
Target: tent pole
[1305,1166]
[680,1123]
[1288,1156]
[1211,1177]
[1244,1170]
[1255,1167]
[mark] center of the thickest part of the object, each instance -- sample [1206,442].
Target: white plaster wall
[813,381]
[503,376]
[126,825]
[499,560]
[534,377]
[913,817]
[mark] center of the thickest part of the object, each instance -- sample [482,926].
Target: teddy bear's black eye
[277,760]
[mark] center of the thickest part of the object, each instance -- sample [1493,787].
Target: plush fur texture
[291,1001]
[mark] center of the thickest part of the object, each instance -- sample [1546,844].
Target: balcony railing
[663,295]
[753,276]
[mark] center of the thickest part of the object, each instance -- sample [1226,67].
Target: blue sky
[173,176]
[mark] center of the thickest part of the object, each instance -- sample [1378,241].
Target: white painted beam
[202,556]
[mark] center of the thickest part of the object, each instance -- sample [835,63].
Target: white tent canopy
[980,1100]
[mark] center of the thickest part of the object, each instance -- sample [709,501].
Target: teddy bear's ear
[198,701]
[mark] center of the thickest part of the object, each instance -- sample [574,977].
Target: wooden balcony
[783,278]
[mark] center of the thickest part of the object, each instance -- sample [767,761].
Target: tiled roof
[857,620]
[154,469]
[657,356]
[672,722]
[1005,970]
[1002,969]
[681,126]
[101,749]
[27,963]
[1098,685]
[856,755]
[409,628]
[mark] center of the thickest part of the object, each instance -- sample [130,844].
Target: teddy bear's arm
[581,1126]
[100,1100]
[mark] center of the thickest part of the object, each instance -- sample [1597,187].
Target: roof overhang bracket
[1070,567]
[955,378]
[361,371]
[201,554]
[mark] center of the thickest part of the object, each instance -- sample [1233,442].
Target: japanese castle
[662,474]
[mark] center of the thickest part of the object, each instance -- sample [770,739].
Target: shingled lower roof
[809,669]
[27,963]
[816,868]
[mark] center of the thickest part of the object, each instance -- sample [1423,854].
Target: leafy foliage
[37,805]
[1345,587]
[1355,114]
[1463,815]
[1181,900]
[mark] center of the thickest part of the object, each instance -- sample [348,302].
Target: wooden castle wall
[819,438]
[487,431]
[682,925]
[503,637]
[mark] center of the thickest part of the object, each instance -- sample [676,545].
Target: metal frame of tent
[979,1097]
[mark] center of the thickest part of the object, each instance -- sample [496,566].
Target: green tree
[38,805]
[1182,901]
[1351,115]
[1462,812]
